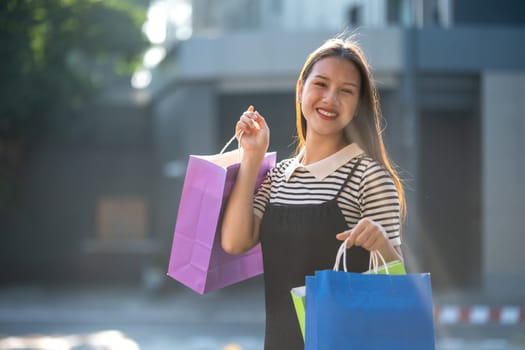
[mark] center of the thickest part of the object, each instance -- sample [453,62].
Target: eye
[348,91]
[320,83]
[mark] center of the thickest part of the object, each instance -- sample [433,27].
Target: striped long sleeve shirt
[370,193]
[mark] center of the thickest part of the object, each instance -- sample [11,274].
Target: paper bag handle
[231,140]
[375,256]
[373,263]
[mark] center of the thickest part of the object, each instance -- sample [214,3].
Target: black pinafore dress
[296,241]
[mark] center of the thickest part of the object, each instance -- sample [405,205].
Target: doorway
[449,193]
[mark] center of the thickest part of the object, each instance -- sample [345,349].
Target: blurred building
[100,204]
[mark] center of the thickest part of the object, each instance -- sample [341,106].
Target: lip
[326,113]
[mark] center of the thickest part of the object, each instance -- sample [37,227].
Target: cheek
[306,102]
[352,106]
[305,113]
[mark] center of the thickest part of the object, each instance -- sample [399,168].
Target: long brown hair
[365,129]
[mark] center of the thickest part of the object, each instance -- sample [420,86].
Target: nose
[330,96]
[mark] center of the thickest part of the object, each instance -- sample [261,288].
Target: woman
[341,184]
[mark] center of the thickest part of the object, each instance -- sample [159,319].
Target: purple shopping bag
[197,259]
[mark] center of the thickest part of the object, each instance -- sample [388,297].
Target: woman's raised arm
[240,226]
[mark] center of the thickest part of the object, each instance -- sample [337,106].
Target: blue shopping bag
[298,294]
[347,311]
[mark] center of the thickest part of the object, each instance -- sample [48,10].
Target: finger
[362,234]
[380,242]
[247,119]
[358,232]
[250,118]
[241,126]
[261,121]
[342,236]
[370,243]
[256,120]
[242,129]
[249,111]
[249,122]
[363,224]
[350,241]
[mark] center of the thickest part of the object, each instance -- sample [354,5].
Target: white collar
[324,167]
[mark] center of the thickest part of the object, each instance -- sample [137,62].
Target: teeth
[327,114]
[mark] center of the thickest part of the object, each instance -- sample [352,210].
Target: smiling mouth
[326,114]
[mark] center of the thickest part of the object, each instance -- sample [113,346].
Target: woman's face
[329,96]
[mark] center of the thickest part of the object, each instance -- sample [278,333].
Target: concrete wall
[253,55]
[503,179]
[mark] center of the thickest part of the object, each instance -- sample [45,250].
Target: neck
[316,151]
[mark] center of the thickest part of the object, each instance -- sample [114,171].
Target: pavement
[174,317]
[128,318]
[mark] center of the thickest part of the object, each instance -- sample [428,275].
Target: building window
[393,12]
[355,16]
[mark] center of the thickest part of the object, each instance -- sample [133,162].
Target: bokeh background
[101,102]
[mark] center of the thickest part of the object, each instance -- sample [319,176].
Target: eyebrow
[345,83]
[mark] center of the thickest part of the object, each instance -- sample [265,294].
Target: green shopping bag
[396,267]
[299,299]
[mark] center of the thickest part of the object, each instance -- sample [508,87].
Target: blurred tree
[56,56]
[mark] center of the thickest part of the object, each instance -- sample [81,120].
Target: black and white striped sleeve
[262,195]
[379,199]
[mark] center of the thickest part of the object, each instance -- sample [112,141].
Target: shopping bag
[395,267]
[197,259]
[346,310]
[299,299]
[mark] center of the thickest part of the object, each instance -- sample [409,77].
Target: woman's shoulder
[367,166]
[363,161]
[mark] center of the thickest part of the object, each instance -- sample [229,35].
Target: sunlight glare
[141,79]
[180,13]
[154,56]
[232,347]
[156,25]
[114,339]
[109,340]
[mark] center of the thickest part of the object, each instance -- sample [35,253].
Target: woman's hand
[253,133]
[371,236]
